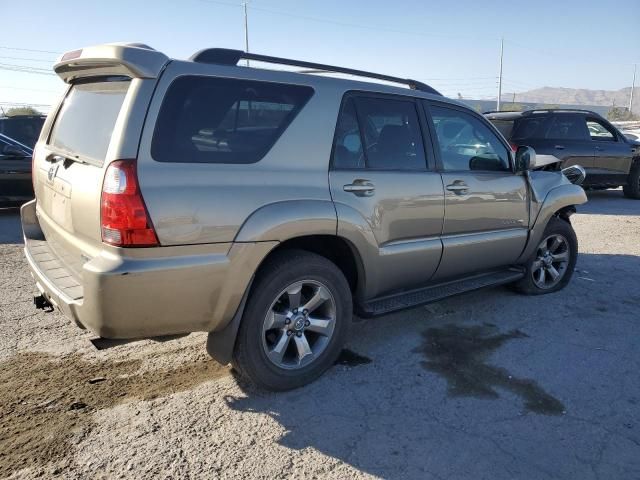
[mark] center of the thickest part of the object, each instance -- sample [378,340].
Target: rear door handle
[599,148]
[559,147]
[360,188]
[458,187]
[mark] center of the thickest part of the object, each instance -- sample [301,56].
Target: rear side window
[529,128]
[567,127]
[85,122]
[384,134]
[219,120]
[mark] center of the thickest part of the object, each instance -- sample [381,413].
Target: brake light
[514,146]
[124,218]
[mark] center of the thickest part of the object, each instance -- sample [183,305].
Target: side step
[412,298]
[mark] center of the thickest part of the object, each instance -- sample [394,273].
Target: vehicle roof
[139,60]
[328,79]
[536,111]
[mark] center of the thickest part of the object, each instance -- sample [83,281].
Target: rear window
[86,120]
[218,120]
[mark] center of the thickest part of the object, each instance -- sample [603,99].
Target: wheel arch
[559,202]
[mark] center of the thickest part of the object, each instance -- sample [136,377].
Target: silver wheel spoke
[560,257]
[293,293]
[277,353]
[302,345]
[540,274]
[318,299]
[318,325]
[555,243]
[537,265]
[288,322]
[553,272]
[275,320]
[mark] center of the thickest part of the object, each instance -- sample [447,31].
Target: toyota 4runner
[263,206]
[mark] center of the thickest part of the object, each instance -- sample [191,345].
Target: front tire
[632,188]
[295,322]
[552,263]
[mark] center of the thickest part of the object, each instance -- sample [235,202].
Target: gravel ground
[486,385]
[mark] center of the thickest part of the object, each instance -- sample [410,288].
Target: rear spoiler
[133,60]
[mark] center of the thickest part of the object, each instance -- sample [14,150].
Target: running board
[413,298]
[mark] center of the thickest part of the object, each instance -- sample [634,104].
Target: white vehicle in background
[631,130]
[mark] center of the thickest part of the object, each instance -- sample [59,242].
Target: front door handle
[360,188]
[599,148]
[559,147]
[458,187]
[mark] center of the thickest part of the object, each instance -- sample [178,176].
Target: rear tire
[632,188]
[552,263]
[295,322]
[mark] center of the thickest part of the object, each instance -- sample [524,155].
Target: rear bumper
[138,293]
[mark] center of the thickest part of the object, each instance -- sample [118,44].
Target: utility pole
[633,86]
[500,77]
[246,31]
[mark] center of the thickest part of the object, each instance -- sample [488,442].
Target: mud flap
[220,344]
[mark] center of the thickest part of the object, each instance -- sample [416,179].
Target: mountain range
[577,96]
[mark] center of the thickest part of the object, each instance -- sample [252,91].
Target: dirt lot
[486,385]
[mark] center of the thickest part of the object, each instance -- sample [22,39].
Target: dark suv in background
[577,137]
[22,128]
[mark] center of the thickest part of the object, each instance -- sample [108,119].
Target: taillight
[514,146]
[123,215]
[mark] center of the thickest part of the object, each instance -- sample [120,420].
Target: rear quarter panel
[193,203]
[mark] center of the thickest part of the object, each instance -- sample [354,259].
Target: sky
[452,45]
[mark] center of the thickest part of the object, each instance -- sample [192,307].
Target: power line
[30,59]
[20,49]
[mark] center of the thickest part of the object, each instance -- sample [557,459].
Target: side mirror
[13,151]
[525,159]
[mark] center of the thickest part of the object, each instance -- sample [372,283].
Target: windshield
[87,117]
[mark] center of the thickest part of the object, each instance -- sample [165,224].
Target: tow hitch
[42,303]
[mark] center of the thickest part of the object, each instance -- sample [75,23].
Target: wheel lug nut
[287,321]
[305,312]
[289,332]
[307,323]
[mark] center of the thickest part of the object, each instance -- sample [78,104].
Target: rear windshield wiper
[56,157]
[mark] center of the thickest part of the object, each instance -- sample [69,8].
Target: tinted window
[467,143]
[347,149]
[85,122]
[504,126]
[567,127]
[392,135]
[600,131]
[217,120]
[25,130]
[529,128]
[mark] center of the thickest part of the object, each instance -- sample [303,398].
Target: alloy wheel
[552,261]
[299,324]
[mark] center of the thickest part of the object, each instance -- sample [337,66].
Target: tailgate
[99,120]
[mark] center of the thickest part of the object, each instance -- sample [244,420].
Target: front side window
[466,143]
[567,127]
[599,131]
[223,120]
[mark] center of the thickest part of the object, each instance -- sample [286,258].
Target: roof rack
[547,110]
[226,56]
